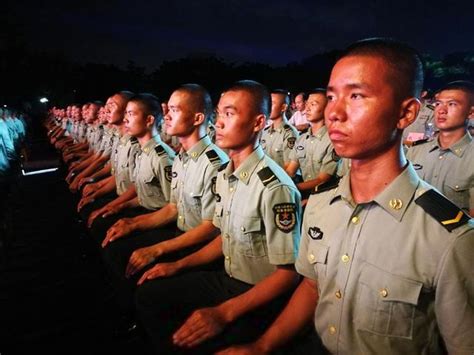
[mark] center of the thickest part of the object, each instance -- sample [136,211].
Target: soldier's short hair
[262,102]
[150,104]
[200,99]
[283,92]
[404,61]
[463,85]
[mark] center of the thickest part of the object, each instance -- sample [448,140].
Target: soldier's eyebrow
[362,86]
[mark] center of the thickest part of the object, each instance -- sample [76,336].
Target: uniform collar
[125,138]
[394,199]
[152,143]
[245,171]
[197,149]
[457,148]
[284,122]
[319,133]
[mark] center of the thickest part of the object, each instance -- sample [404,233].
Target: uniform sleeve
[216,220]
[289,145]
[162,167]
[454,305]
[174,182]
[330,159]
[303,265]
[208,199]
[282,220]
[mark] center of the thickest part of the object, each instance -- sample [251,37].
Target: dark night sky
[274,32]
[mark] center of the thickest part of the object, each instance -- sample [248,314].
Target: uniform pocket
[317,256]
[386,303]
[458,191]
[249,239]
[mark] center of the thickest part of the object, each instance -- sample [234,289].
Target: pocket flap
[391,287]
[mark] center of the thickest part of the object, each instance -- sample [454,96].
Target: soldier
[258,214]
[386,259]
[151,174]
[278,139]
[313,154]
[447,162]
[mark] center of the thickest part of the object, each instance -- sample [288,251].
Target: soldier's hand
[203,324]
[111,210]
[141,258]
[84,201]
[159,270]
[90,189]
[93,216]
[120,229]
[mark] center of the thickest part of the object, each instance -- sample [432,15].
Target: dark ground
[54,296]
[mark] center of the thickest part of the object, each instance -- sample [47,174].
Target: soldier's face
[180,119]
[115,109]
[135,120]
[237,126]
[362,110]
[452,109]
[278,106]
[315,106]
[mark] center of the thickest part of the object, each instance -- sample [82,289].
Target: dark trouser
[164,304]
[116,256]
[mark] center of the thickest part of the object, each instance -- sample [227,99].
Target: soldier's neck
[447,138]
[239,155]
[277,122]
[369,177]
[316,125]
[144,139]
[189,141]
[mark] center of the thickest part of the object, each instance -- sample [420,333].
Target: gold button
[145,150]
[332,330]
[355,219]
[227,257]
[395,203]
[182,183]
[311,257]
[194,154]
[244,174]
[338,294]
[242,229]
[180,217]
[383,292]
[184,165]
[345,258]
[440,157]
[231,189]
[456,187]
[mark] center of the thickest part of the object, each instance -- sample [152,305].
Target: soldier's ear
[150,120]
[260,122]
[408,112]
[284,108]
[199,118]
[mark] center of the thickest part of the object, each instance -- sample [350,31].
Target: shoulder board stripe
[440,208]
[212,155]
[332,183]
[420,141]
[267,176]
[223,166]
[160,150]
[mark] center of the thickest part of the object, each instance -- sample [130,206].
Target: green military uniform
[258,212]
[423,122]
[152,176]
[392,274]
[193,183]
[279,142]
[450,170]
[315,154]
[124,162]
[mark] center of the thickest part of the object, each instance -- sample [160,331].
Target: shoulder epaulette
[160,150]
[267,176]
[440,208]
[213,156]
[287,127]
[334,156]
[430,106]
[332,183]
[223,166]
[418,142]
[266,128]
[134,140]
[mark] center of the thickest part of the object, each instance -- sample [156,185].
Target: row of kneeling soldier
[206,241]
